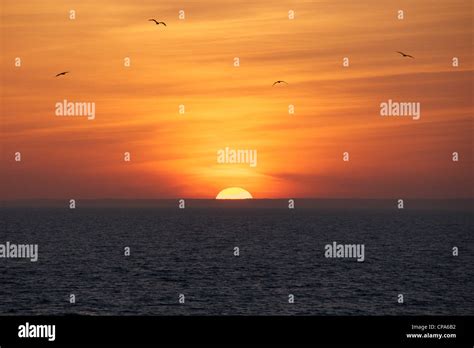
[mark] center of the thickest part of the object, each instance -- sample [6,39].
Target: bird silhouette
[279,81]
[156,22]
[62,73]
[405,55]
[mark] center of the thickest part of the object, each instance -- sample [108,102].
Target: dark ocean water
[190,251]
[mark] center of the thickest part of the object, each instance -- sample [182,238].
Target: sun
[234,193]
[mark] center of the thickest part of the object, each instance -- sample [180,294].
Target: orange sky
[190,62]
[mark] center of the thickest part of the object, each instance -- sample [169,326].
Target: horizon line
[246,199]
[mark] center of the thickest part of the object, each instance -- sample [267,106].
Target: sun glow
[234,193]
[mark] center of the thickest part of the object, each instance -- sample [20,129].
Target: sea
[256,257]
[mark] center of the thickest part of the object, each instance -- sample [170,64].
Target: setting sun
[234,193]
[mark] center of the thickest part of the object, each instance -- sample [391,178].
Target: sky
[190,62]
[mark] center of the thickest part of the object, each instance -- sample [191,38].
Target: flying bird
[156,22]
[279,81]
[62,73]
[405,55]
